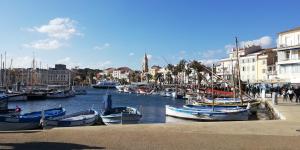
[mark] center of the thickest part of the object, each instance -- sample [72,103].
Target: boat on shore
[119,115]
[28,121]
[208,114]
[83,118]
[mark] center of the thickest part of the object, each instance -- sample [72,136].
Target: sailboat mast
[238,70]
[212,87]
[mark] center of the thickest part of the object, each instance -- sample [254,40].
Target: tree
[169,77]
[149,77]
[198,67]
[157,77]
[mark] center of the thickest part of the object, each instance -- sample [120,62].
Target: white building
[254,62]
[288,51]
[121,73]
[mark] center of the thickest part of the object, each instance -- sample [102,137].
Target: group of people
[290,93]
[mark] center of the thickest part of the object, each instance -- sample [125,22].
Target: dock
[261,134]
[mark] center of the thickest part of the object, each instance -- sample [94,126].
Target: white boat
[168,92]
[119,115]
[120,88]
[83,118]
[105,85]
[208,114]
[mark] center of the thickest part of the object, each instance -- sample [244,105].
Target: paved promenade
[272,134]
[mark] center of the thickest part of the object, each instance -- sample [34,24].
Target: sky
[114,33]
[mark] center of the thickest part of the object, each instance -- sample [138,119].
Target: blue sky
[104,33]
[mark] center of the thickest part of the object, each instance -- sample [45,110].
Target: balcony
[288,61]
[287,47]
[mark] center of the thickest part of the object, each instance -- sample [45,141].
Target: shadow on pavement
[46,146]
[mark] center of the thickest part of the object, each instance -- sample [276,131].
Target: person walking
[285,94]
[291,94]
[297,93]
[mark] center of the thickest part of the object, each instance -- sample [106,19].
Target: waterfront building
[256,64]
[59,75]
[122,73]
[288,52]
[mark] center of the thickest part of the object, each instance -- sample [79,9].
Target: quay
[261,134]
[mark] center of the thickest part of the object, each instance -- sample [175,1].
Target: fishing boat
[208,113]
[119,115]
[83,118]
[28,121]
[168,92]
[105,85]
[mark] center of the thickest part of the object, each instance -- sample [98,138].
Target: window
[253,60]
[264,62]
[253,68]
[264,71]
[243,69]
[287,55]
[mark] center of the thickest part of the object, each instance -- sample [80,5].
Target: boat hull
[206,115]
[86,118]
[121,119]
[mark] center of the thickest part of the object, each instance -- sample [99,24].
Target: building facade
[288,51]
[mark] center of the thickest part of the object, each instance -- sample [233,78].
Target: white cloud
[209,62]
[59,28]
[149,56]
[102,47]
[47,44]
[264,42]
[131,54]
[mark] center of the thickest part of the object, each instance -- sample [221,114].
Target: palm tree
[198,67]
[149,77]
[157,77]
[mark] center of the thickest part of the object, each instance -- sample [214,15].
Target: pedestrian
[284,94]
[291,94]
[297,93]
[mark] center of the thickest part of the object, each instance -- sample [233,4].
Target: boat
[61,94]
[120,88]
[80,92]
[105,85]
[119,115]
[168,92]
[83,118]
[4,110]
[28,121]
[208,114]
[36,95]
[17,97]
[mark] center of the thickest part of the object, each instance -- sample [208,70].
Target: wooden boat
[230,102]
[119,115]
[83,118]
[29,120]
[208,114]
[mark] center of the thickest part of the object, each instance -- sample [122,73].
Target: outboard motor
[107,104]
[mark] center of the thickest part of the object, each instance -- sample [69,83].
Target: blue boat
[119,115]
[206,113]
[29,120]
[83,118]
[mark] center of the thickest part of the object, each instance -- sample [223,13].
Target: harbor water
[151,106]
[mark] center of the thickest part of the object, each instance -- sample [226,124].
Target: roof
[291,30]
[155,67]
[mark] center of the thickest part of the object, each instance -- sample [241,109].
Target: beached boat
[83,118]
[119,115]
[29,120]
[208,114]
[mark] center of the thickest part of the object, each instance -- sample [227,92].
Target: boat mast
[238,70]
[212,87]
